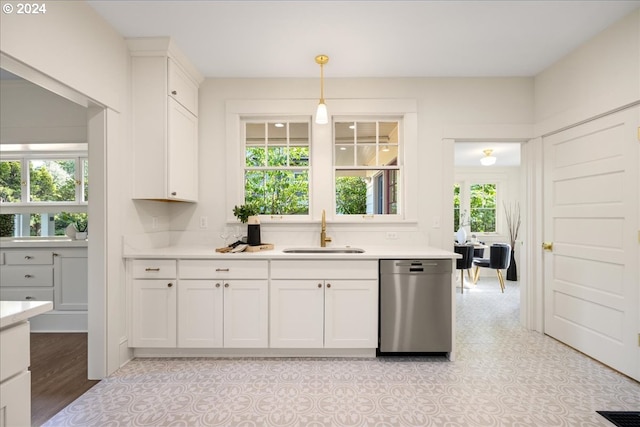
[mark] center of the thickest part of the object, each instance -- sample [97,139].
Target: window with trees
[475,205]
[41,196]
[276,166]
[367,167]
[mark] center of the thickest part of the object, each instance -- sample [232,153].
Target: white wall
[600,76]
[30,114]
[474,108]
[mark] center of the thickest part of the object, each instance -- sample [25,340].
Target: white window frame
[500,180]
[321,195]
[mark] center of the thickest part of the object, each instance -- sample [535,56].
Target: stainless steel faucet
[323,232]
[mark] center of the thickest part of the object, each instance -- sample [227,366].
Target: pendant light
[488,159]
[322,117]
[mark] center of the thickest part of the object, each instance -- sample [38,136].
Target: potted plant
[81,226]
[243,212]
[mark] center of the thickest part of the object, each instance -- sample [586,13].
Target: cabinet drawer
[222,269]
[14,350]
[182,88]
[27,275]
[26,294]
[28,257]
[333,269]
[154,269]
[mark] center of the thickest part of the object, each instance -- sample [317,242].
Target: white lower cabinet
[223,304]
[217,313]
[334,304]
[154,313]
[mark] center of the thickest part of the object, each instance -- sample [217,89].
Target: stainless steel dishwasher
[415,306]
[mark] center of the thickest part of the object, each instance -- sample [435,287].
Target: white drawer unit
[26,275]
[28,257]
[312,269]
[222,269]
[26,294]
[154,269]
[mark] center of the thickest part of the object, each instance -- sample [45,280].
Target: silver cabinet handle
[174,92]
[152,269]
[222,269]
[174,193]
[28,298]
[28,276]
[28,257]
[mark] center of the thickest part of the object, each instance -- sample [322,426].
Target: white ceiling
[367,38]
[468,154]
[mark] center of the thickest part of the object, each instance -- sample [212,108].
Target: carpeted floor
[504,376]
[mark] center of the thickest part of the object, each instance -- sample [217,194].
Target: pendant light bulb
[322,116]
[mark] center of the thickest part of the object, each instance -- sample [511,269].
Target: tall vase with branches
[512,214]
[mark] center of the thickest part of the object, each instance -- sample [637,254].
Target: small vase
[81,235]
[461,235]
[512,271]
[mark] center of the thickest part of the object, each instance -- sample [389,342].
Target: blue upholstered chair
[499,259]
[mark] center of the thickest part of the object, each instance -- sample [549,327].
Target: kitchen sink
[323,251]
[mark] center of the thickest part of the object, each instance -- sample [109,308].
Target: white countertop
[41,242]
[12,312]
[199,252]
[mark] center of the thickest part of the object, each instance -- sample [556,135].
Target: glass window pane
[388,132]
[278,192]
[299,156]
[366,132]
[366,155]
[345,133]
[299,134]
[85,179]
[344,155]
[255,134]
[277,156]
[52,180]
[255,156]
[366,192]
[483,208]
[387,155]
[277,134]
[7,225]
[10,181]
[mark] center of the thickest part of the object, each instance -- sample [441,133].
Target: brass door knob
[547,246]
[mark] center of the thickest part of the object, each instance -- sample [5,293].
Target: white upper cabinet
[164,88]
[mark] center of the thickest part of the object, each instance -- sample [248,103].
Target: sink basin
[323,251]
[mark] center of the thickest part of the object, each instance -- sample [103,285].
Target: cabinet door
[181,87]
[70,282]
[296,313]
[182,152]
[351,314]
[200,313]
[15,401]
[246,305]
[153,313]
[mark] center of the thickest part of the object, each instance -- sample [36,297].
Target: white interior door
[591,276]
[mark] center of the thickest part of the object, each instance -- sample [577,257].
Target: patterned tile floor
[504,376]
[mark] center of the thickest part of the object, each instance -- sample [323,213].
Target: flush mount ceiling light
[488,159]
[322,118]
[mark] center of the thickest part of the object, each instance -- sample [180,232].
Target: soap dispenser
[253,231]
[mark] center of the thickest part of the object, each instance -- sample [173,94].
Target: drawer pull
[28,257]
[174,92]
[222,269]
[169,285]
[226,285]
[174,193]
[152,269]
[328,285]
[217,285]
[28,298]
[319,285]
[28,276]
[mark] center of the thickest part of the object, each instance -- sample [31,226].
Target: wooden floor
[58,373]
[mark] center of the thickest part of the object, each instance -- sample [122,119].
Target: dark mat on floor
[622,418]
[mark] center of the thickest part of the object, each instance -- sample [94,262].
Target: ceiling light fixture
[488,159]
[322,117]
